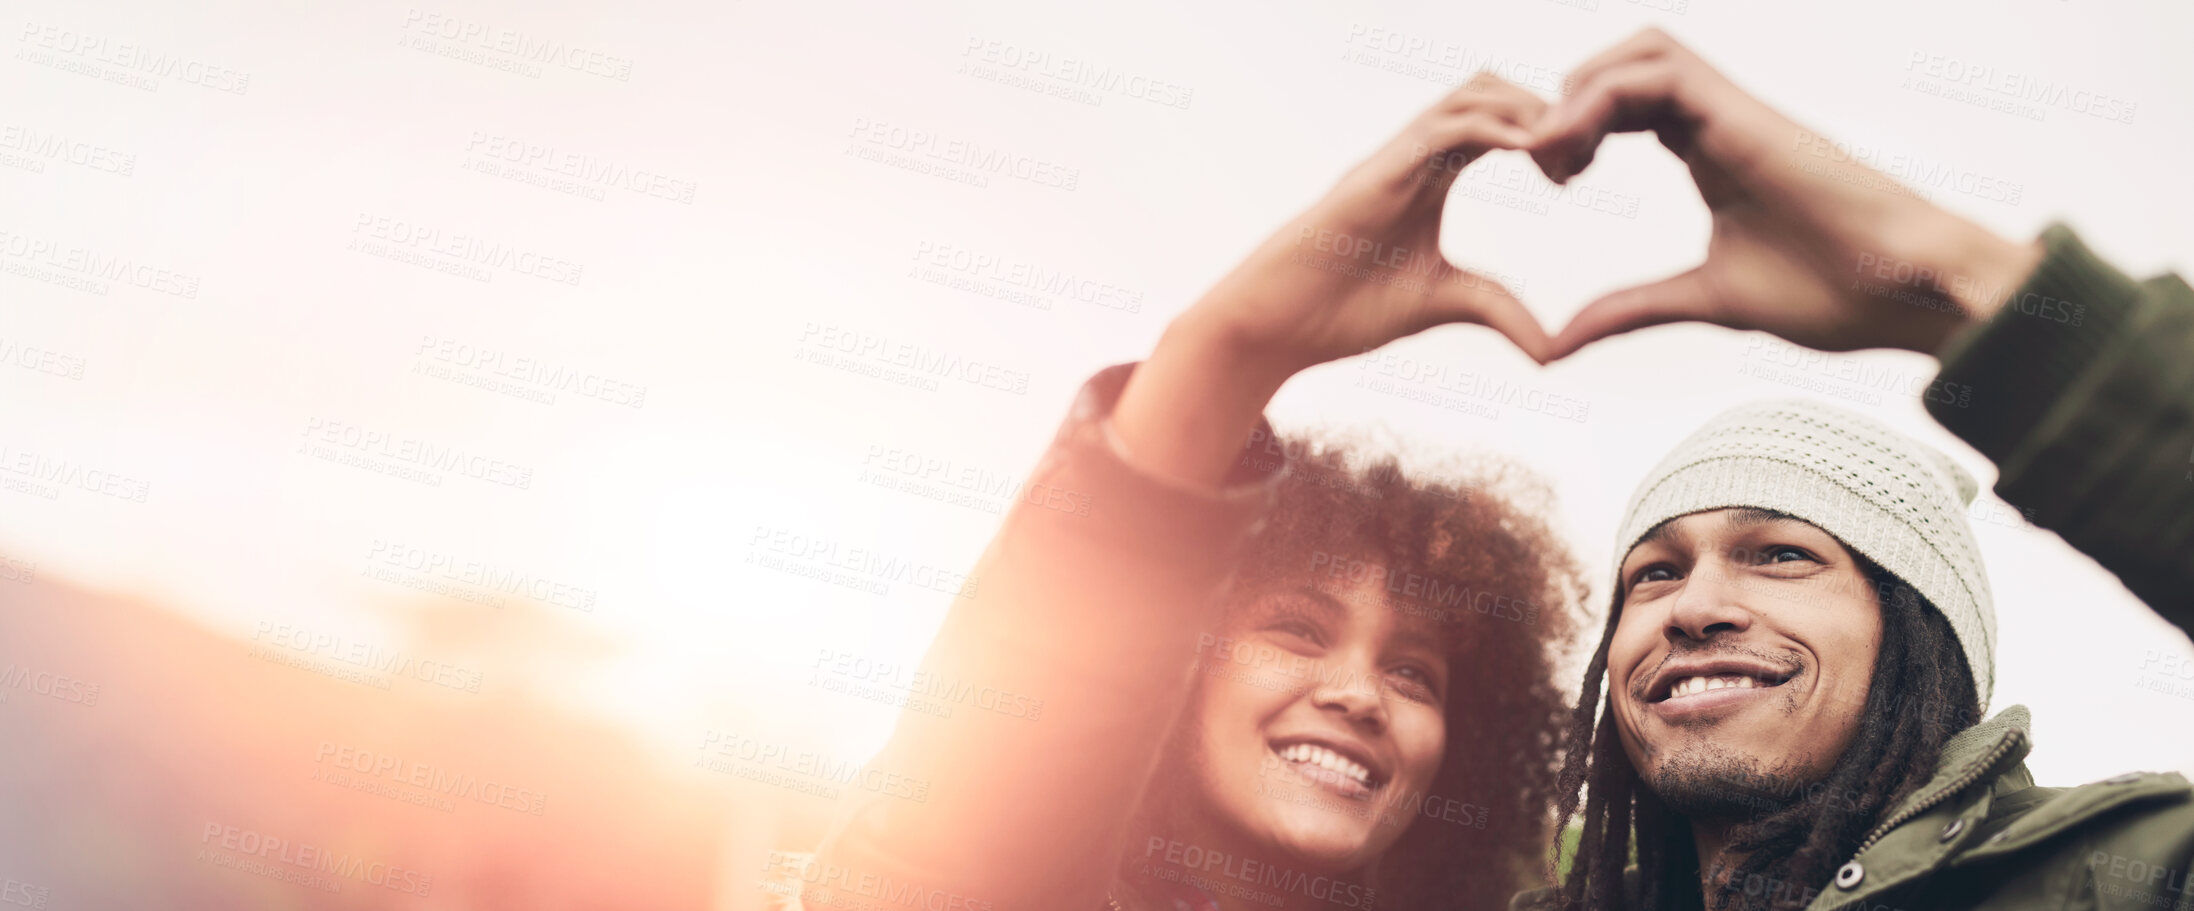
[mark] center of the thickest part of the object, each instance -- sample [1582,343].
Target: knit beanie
[1886,496]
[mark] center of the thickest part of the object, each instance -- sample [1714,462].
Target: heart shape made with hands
[1633,218]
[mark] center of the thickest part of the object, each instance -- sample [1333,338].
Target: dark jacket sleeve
[1053,687]
[2082,391]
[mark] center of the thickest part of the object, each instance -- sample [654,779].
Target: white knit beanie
[1899,503]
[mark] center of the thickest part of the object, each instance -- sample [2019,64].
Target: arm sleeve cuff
[2082,391]
[2050,331]
[1149,513]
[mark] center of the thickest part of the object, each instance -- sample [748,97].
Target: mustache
[1791,665]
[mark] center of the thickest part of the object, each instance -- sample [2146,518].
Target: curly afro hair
[1469,555]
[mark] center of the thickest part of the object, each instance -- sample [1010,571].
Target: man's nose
[1709,604]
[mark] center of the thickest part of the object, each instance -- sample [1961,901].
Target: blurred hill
[146,761]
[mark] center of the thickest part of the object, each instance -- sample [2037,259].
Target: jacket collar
[1983,752]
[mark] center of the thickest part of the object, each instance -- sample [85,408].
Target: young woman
[1371,722]
[1234,674]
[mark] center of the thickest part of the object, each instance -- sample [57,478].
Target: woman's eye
[1658,572]
[1297,629]
[1784,554]
[1417,683]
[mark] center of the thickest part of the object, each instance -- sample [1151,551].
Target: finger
[1492,94]
[1647,44]
[1671,300]
[1469,297]
[1643,95]
[1448,146]
[1476,130]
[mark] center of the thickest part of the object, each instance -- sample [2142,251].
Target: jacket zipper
[1977,772]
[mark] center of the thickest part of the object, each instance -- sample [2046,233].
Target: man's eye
[1784,554]
[1658,572]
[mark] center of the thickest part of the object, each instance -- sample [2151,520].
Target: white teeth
[1694,685]
[1313,754]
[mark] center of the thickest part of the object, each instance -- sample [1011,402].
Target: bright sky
[317,264]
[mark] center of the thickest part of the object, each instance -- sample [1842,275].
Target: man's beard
[1701,782]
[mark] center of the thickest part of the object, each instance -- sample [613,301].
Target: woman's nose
[1353,692]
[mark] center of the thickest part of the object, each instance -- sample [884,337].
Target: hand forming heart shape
[1823,252]
[1811,246]
[1802,245]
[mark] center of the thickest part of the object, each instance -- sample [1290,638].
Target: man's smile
[1701,689]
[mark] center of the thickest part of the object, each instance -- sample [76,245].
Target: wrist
[1953,273]
[1188,410]
[1223,344]
[1983,270]
[1996,266]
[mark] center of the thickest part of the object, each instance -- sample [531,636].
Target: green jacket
[2083,394]
[1980,834]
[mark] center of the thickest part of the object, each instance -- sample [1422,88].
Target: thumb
[1670,300]
[1469,297]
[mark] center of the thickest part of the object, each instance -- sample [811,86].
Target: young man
[1801,641]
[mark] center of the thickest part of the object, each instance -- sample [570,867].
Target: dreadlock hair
[1501,589]
[1919,694]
